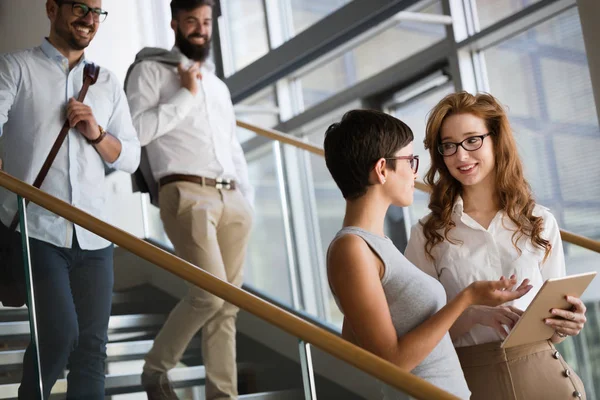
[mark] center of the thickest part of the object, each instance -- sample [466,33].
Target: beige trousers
[209,228]
[534,371]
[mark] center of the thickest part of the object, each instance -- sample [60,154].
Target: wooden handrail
[580,241]
[566,236]
[298,327]
[294,141]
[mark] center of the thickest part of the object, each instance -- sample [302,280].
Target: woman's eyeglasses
[471,143]
[414,161]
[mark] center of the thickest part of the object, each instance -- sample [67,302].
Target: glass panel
[414,114]
[543,77]
[244,134]
[329,201]
[267,264]
[260,109]
[490,12]
[307,12]
[20,262]
[247,31]
[388,44]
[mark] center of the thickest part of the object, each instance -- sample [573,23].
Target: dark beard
[192,51]
[63,31]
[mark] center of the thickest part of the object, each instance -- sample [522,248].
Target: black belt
[226,184]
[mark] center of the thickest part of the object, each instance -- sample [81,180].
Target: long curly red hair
[512,189]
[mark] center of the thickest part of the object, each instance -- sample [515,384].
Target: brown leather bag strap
[90,76]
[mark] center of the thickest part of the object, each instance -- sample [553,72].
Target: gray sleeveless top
[413,297]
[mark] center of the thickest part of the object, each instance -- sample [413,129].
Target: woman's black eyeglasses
[471,143]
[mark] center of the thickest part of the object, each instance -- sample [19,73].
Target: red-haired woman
[485,223]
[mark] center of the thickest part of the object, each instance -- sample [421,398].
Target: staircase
[137,315]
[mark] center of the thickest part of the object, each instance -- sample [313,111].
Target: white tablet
[531,327]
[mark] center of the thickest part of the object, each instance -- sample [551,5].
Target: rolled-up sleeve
[121,127]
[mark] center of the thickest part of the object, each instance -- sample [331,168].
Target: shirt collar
[52,53]
[207,64]
[459,206]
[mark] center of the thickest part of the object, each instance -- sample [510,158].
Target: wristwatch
[99,138]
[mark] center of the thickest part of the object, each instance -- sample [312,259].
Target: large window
[542,76]
[491,11]
[382,47]
[259,109]
[534,62]
[307,12]
[413,111]
[330,205]
[244,37]
[267,263]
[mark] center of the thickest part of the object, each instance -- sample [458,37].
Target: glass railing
[57,331]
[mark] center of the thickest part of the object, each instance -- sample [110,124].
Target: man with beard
[72,268]
[184,116]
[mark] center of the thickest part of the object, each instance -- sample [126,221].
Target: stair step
[116,322]
[114,351]
[293,394]
[122,383]
[131,383]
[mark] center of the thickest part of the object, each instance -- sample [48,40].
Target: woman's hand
[568,322]
[495,293]
[495,317]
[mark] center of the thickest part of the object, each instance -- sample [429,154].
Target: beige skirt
[527,372]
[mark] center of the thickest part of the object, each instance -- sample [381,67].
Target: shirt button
[556,355]
[567,373]
[577,394]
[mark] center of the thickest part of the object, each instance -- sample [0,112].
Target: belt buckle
[223,184]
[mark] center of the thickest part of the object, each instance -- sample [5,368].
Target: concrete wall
[23,24]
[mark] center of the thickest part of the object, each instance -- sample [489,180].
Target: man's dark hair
[188,5]
[353,146]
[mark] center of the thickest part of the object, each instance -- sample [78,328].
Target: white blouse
[487,254]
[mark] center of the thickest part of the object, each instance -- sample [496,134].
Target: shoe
[158,386]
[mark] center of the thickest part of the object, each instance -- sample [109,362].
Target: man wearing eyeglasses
[184,116]
[72,268]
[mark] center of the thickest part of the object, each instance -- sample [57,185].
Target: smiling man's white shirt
[30,126]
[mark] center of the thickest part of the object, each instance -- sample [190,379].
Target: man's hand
[189,77]
[80,117]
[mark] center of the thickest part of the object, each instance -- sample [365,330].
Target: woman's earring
[383,181]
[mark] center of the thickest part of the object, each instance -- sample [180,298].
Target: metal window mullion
[480,70]
[227,56]
[289,238]
[302,232]
[319,266]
